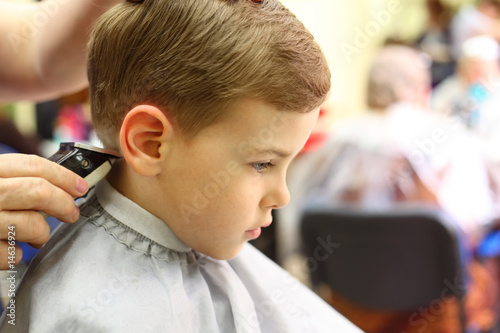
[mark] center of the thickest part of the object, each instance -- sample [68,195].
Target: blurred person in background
[398,152]
[42,56]
[474,84]
[472,97]
[472,20]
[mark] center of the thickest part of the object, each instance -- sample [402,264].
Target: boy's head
[208,101]
[193,58]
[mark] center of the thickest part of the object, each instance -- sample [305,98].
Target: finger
[6,255]
[24,226]
[21,165]
[37,194]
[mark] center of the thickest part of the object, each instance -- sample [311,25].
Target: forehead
[255,127]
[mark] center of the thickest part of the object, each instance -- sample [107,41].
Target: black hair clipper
[89,162]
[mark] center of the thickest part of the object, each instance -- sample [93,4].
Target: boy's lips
[255,233]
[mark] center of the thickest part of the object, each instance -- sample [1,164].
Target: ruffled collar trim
[137,218]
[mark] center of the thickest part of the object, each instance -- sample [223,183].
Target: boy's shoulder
[86,280]
[282,303]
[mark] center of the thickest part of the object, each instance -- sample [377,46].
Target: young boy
[207,101]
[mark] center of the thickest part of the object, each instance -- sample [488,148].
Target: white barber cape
[121,269]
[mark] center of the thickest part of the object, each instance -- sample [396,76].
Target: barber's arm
[42,56]
[43,47]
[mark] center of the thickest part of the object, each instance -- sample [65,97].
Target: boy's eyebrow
[271,151]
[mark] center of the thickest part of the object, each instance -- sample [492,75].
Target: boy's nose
[278,195]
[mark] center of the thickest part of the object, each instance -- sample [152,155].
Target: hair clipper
[89,162]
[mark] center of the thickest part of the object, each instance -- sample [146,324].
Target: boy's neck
[120,180]
[139,189]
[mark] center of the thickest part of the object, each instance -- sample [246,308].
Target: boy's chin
[226,254]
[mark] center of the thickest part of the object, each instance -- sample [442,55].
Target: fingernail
[76,214]
[81,186]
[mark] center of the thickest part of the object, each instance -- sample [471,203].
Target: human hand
[30,184]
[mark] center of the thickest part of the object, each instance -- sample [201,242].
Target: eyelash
[260,167]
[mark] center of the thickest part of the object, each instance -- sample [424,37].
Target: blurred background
[350,33]
[458,171]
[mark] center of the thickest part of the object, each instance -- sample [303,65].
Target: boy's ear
[143,138]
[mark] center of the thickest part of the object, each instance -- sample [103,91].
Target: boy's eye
[260,167]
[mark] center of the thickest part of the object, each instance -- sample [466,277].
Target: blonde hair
[193,58]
